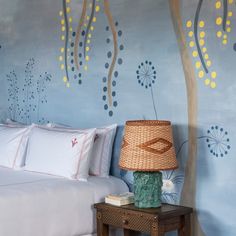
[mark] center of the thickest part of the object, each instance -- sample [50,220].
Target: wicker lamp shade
[148,146]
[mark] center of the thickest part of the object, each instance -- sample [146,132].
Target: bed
[43,205]
[50,178]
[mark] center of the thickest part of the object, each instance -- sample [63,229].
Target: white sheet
[43,205]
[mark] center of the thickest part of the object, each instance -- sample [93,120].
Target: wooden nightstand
[155,221]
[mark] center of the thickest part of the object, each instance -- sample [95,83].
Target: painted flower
[218,141]
[172,182]
[146,74]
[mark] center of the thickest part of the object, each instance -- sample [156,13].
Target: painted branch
[188,197]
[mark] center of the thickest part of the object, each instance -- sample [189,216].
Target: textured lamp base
[147,189]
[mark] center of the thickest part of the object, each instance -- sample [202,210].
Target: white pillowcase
[102,151]
[60,153]
[13,142]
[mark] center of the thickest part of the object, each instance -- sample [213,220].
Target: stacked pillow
[13,142]
[70,153]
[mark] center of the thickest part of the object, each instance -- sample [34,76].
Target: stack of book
[120,199]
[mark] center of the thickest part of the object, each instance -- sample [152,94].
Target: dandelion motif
[172,181]
[218,141]
[146,76]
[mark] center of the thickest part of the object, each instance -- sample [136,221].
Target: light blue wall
[30,32]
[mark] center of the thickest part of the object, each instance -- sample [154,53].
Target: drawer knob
[125,222]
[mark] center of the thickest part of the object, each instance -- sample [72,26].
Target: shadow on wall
[214,225]
[3,115]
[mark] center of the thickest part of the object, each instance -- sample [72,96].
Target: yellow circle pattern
[219,34]
[189,24]
[190,34]
[218,5]
[219,20]
[201,24]
[191,44]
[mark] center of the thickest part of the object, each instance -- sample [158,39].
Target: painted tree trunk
[188,196]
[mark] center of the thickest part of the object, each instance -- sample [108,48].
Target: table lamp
[147,149]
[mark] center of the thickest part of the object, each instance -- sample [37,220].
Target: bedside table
[155,221]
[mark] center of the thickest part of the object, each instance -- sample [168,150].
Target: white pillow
[102,151]
[13,142]
[60,153]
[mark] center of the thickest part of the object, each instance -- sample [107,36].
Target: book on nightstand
[120,199]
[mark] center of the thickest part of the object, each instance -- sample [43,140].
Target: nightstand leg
[185,230]
[102,229]
[157,230]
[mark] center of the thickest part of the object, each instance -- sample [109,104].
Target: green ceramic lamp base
[147,189]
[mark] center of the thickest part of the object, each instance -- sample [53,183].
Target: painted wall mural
[88,63]
[76,49]
[25,100]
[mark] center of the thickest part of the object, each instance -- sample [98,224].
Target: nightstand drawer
[127,219]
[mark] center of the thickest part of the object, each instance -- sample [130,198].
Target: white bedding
[33,204]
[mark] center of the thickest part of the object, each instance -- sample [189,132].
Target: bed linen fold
[43,205]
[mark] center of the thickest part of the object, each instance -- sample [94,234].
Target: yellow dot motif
[63,28]
[87,49]
[68,10]
[201,42]
[208,63]
[62,21]
[201,24]
[218,5]
[202,34]
[206,56]
[65,79]
[213,74]
[60,58]
[62,50]
[225,41]
[207,81]
[201,74]
[190,34]
[85,68]
[231,1]
[189,24]
[87,58]
[63,37]
[218,20]
[94,19]
[219,34]
[67,84]
[62,67]
[213,85]
[228,29]
[97,8]
[198,64]
[191,44]
[230,14]
[195,54]
[228,22]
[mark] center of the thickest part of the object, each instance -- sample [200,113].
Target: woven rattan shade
[148,146]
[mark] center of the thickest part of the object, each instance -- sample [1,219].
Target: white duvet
[33,204]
